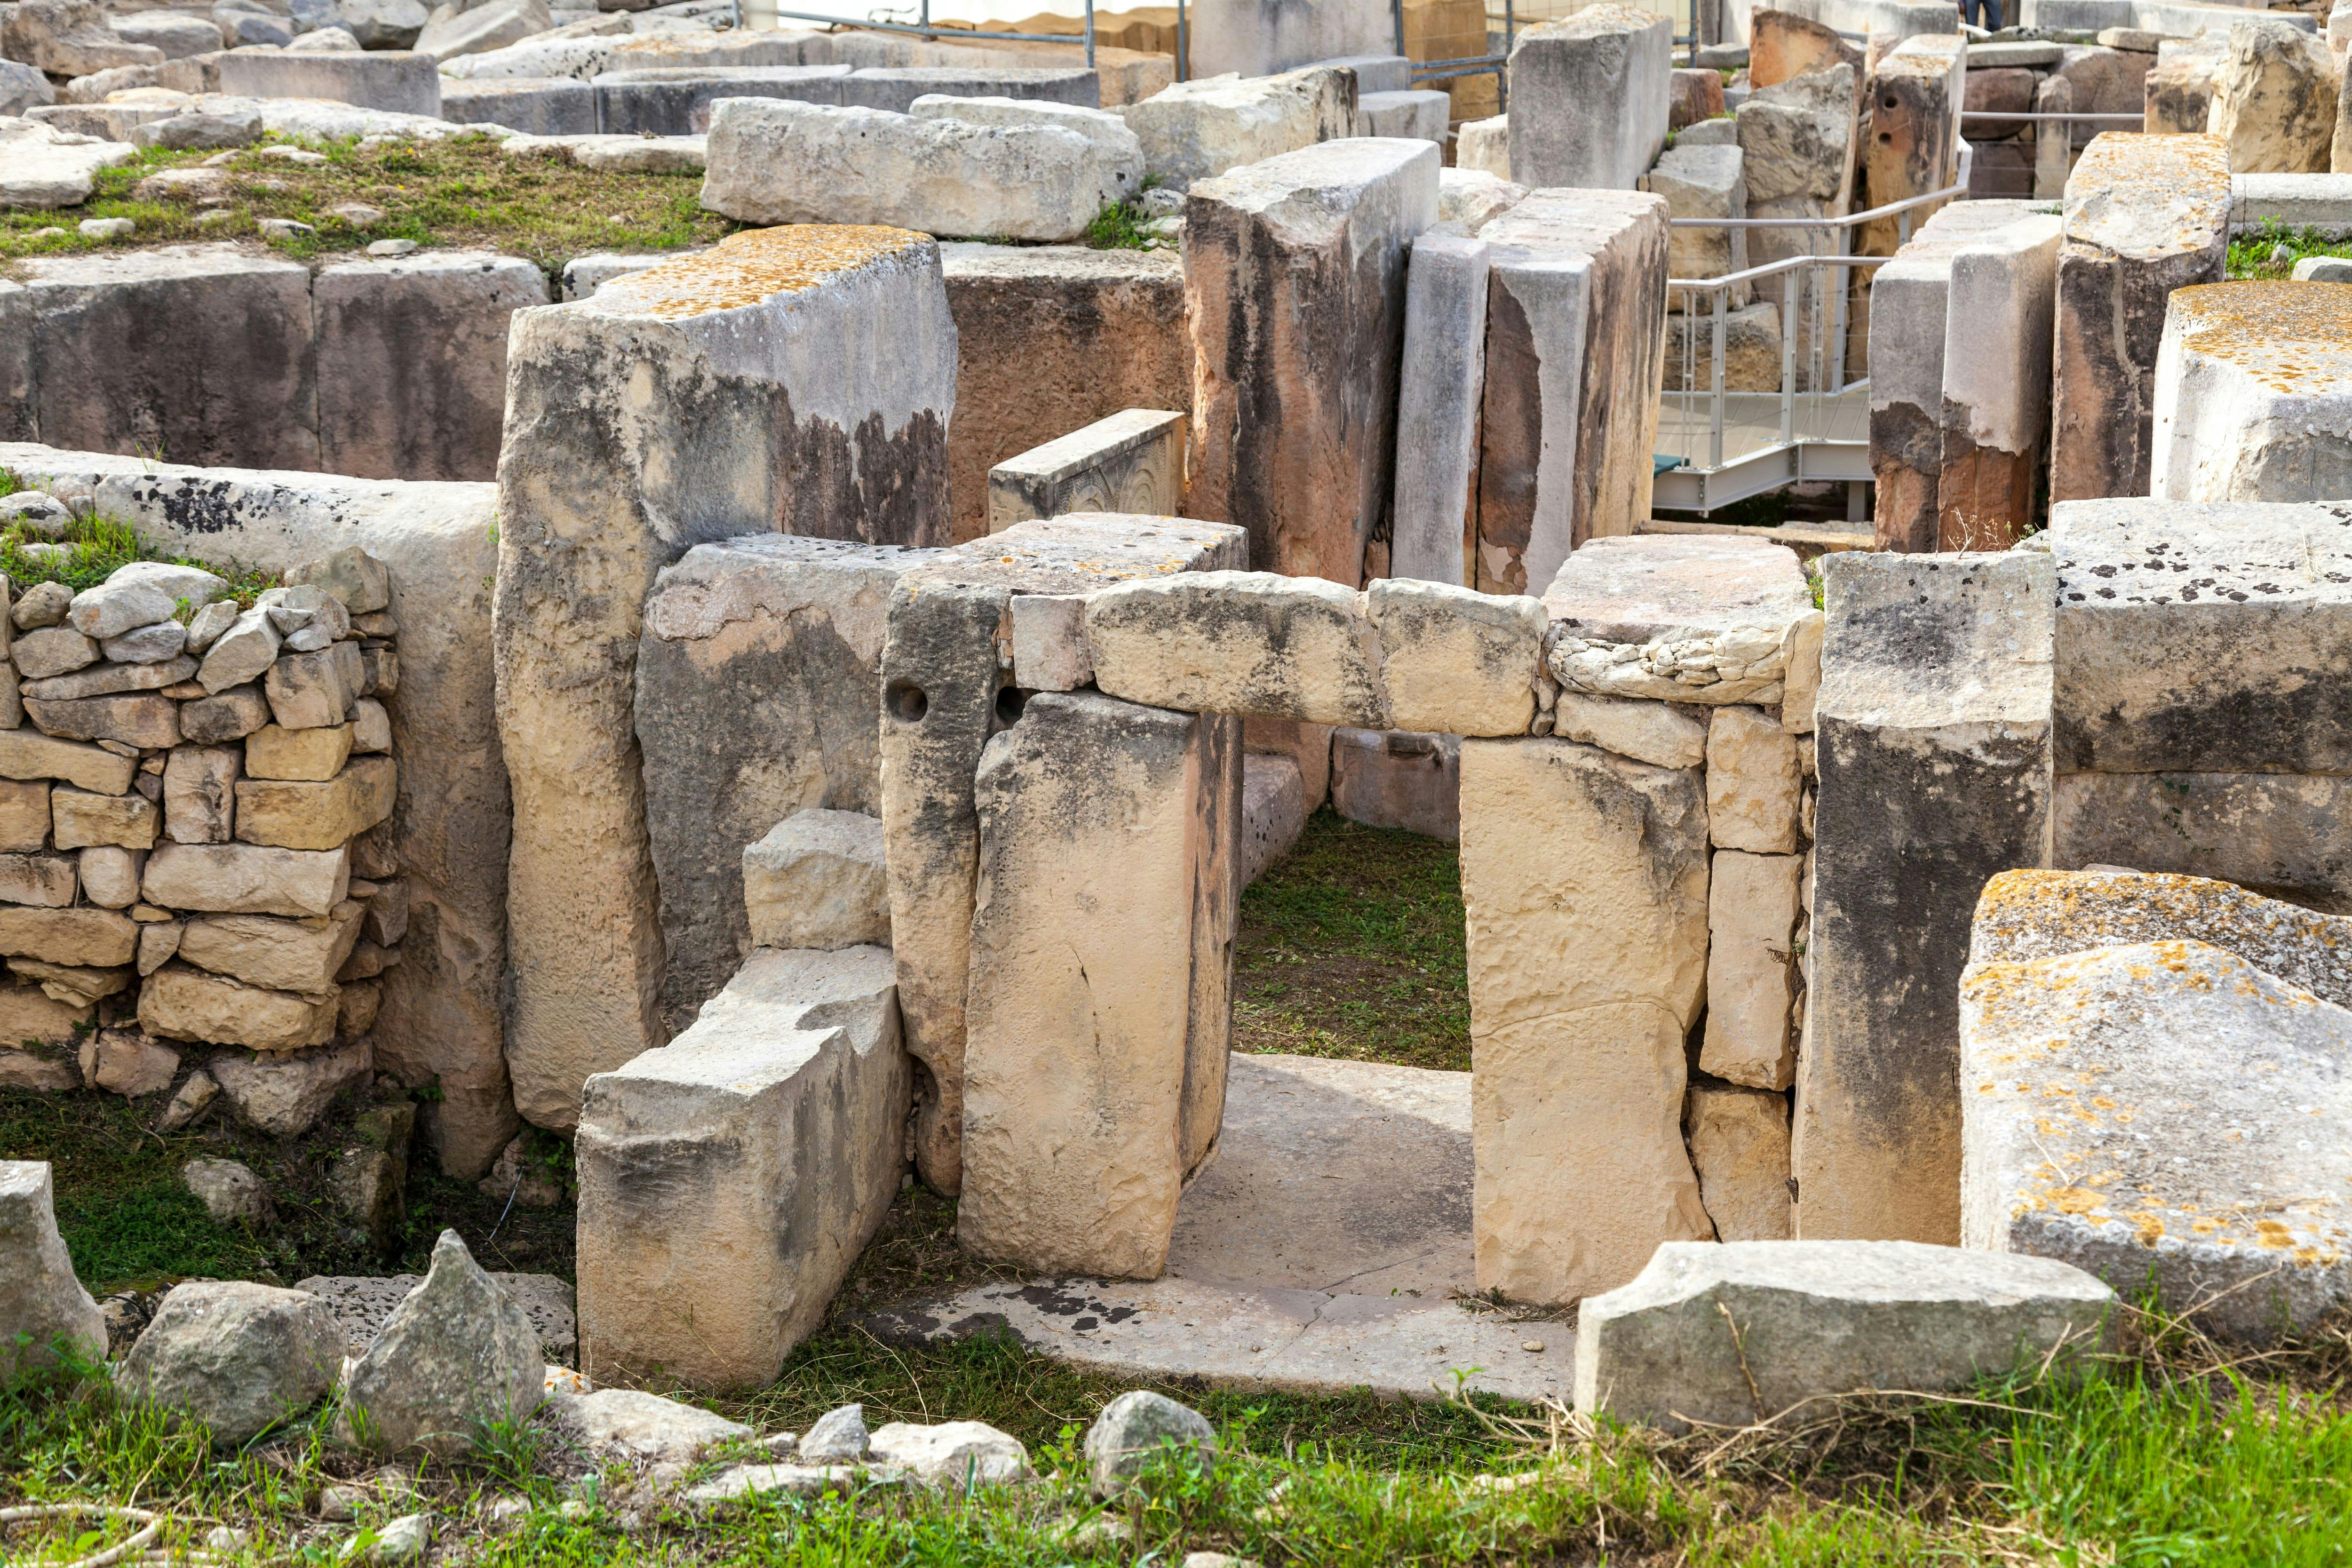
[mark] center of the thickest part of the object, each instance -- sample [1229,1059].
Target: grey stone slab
[364,1304]
[1934,762]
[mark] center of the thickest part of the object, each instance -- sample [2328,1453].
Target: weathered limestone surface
[1996,383]
[2144,215]
[441,1017]
[1584,883]
[1590,96]
[1198,128]
[1052,338]
[1735,1335]
[729,1180]
[1739,1146]
[2253,394]
[2274,98]
[812,367]
[2087,1076]
[1131,462]
[1574,315]
[1433,516]
[1295,278]
[1101,975]
[1679,618]
[1752,925]
[943,698]
[759,674]
[1934,765]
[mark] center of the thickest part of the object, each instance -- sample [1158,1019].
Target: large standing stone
[730,1179]
[740,352]
[1590,96]
[1433,518]
[2144,215]
[1575,315]
[237,1358]
[759,695]
[458,1357]
[412,362]
[1107,839]
[1294,274]
[39,1297]
[1735,1335]
[1935,775]
[2274,98]
[1202,128]
[2253,394]
[1584,885]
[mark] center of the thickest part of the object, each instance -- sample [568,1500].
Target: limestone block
[1589,97]
[816,880]
[1455,660]
[181,1003]
[2179,88]
[536,106]
[674,101]
[384,78]
[1735,1335]
[2158,604]
[1131,462]
[1198,128]
[2095,1137]
[2143,216]
[2252,383]
[46,881]
[1433,513]
[284,1094]
[246,878]
[1916,93]
[79,938]
[730,1179]
[1574,312]
[1096,1047]
[1240,642]
[1750,970]
[412,361]
[39,1297]
[1751,782]
[80,817]
[1402,778]
[749,345]
[2274,98]
[1295,275]
[452,31]
[23,816]
[145,720]
[1701,183]
[1052,338]
[774,161]
[1933,752]
[1274,812]
[277,954]
[1584,883]
[1649,733]
[1677,618]
[1739,1146]
[302,815]
[758,680]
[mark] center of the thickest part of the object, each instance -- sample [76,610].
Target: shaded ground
[1353,948]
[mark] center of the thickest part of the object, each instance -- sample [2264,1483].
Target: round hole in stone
[1010,701]
[907,701]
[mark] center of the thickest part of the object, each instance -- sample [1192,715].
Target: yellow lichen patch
[758,264]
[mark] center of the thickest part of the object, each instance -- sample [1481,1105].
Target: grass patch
[2271,251]
[1353,948]
[455,193]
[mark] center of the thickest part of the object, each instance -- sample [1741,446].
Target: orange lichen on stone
[2288,337]
[757,265]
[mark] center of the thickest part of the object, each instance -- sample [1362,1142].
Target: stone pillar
[2144,215]
[1916,93]
[1590,98]
[1099,823]
[1584,884]
[1933,752]
[1294,276]
[1435,519]
[696,401]
[1575,330]
[1996,383]
[2253,396]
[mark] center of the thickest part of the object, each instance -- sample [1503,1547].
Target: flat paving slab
[1322,1248]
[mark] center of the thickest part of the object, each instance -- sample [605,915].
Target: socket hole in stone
[907,701]
[1010,701]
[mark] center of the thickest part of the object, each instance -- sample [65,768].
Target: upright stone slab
[2144,215]
[1996,385]
[797,379]
[1933,752]
[1433,518]
[2253,394]
[1106,841]
[1916,93]
[759,681]
[1575,311]
[944,693]
[1590,96]
[1294,277]
[1131,462]
[412,362]
[729,1180]
[1584,888]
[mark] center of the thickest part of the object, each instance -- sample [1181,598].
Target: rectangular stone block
[291,814]
[1099,822]
[245,878]
[1433,518]
[1934,759]
[1584,887]
[759,685]
[743,347]
[1590,96]
[1132,461]
[672,101]
[729,1180]
[400,83]
[1295,273]
[2144,215]
[1402,779]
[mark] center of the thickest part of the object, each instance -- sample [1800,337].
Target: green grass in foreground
[1354,947]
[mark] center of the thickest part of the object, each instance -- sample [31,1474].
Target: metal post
[1181,64]
[1090,30]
